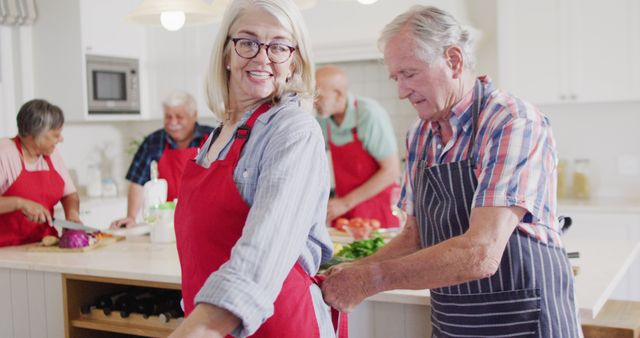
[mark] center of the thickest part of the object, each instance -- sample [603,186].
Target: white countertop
[134,258]
[603,205]
[602,266]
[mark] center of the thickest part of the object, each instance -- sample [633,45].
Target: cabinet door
[179,61]
[529,49]
[600,50]
[105,30]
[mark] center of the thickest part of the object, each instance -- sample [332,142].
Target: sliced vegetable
[74,239]
[50,240]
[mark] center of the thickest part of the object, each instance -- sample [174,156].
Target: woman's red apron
[45,187]
[171,166]
[352,167]
[209,220]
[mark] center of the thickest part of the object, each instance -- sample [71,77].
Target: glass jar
[562,179]
[581,180]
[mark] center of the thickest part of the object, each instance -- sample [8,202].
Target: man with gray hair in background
[171,146]
[480,192]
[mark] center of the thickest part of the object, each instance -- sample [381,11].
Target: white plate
[138,229]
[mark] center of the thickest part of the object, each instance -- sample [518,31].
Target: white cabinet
[609,225]
[64,32]
[105,30]
[31,304]
[555,51]
[179,61]
[344,30]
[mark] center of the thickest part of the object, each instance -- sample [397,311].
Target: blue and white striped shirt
[283,175]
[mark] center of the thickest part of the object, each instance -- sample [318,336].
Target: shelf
[135,324]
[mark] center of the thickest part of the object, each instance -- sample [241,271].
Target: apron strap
[16,140]
[243,132]
[338,319]
[478,96]
[47,158]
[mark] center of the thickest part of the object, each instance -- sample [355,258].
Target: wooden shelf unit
[80,290]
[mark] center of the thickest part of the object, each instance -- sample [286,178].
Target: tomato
[341,223]
[375,224]
[356,222]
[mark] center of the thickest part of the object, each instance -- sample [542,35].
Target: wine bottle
[85,309]
[125,304]
[145,303]
[106,302]
[169,306]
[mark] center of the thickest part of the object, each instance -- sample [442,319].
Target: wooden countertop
[602,266]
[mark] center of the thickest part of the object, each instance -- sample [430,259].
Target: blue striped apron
[531,294]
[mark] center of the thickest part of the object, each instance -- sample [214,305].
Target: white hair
[179,98]
[302,79]
[434,30]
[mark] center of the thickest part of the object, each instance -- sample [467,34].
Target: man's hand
[126,222]
[35,212]
[336,208]
[347,285]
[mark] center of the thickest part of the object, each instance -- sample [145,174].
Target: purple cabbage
[74,239]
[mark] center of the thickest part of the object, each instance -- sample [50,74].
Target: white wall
[7,82]
[16,75]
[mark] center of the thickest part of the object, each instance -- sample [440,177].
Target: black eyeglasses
[248,49]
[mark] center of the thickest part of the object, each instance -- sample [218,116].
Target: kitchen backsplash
[604,133]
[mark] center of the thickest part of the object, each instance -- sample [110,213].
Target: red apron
[171,166]
[352,167]
[209,220]
[43,186]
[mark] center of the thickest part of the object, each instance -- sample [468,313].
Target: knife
[71,225]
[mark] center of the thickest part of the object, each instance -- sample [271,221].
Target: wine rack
[79,290]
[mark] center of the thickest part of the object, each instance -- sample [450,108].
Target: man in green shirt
[364,153]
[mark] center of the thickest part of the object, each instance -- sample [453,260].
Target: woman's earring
[228,67]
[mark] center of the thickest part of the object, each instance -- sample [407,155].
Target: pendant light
[174,14]
[305,4]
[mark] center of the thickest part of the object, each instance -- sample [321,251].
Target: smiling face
[179,123]
[253,80]
[430,87]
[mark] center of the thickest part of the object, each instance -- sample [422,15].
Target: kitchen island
[37,286]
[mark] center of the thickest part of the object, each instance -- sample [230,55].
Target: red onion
[74,239]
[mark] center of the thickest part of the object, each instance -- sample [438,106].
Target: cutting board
[102,242]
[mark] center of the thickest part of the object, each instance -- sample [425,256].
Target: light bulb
[367,2]
[172,20]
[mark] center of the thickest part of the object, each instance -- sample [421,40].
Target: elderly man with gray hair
[171,146]
[480,192]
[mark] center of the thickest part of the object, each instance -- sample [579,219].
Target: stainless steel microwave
[112,85]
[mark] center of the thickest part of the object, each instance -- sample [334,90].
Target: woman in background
[33,177]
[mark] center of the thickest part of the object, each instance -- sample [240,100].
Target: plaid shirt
[515,156]
[151,149]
